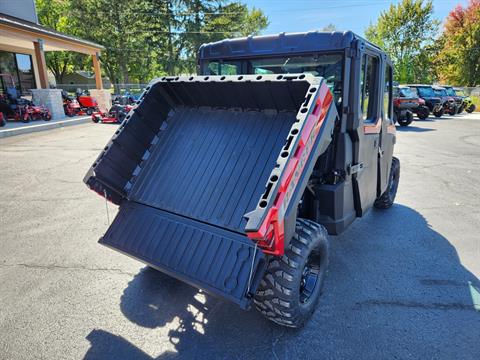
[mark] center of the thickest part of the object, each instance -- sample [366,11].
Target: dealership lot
[403,283]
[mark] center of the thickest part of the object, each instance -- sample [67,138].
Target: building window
[19,68]
[25,72]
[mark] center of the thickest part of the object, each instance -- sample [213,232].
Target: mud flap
[219,261]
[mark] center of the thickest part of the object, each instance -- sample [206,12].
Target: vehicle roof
[283,43]
[419,85]
[438,87]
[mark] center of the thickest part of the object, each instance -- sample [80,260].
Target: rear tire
[387,199]
[407,120]
[291,287]
[439,114]
[471,108]
[423,112]
[453,111]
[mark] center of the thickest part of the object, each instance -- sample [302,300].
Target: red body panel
[271,234]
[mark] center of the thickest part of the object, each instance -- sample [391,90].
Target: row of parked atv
[424,100]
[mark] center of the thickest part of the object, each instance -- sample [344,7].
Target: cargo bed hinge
[353,169]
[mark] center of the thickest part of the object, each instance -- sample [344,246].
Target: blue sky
[304,15]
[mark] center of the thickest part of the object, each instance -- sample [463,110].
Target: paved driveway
[403,283]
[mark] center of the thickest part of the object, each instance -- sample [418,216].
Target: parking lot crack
[417,305]
[67,267]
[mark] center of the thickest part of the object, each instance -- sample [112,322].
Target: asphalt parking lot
[403,283]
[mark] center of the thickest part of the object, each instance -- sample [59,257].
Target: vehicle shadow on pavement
[396,289]
[411,128]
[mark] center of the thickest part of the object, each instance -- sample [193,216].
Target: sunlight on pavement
[475,296]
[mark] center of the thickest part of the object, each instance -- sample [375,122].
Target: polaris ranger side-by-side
[231,180]
[432,101]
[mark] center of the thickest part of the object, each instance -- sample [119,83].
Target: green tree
[406,31]
[210,20]
[458,62]
[54,14]
[148,38]
[118,27]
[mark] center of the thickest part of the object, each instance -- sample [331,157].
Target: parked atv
[449,104]
[432,102]
[458,99]
[405,104]
[231,183]
[468,104]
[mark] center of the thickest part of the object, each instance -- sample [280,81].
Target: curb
[41,127]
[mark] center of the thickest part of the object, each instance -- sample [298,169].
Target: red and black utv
[232,180]
[432,101]
[457,97]
[405,104]
[449,103]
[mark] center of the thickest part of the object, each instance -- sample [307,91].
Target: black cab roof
[283,43]
[419,85]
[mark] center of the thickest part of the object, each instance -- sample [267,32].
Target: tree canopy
[458,61]
[404,31]
[145,38]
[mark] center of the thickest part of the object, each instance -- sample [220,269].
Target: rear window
[407,92]
[426,92]
[450,92]
[328,66]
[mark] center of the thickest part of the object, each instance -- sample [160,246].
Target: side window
[229,69]
[369,86]
[222,68]
[387,95]
[212,68]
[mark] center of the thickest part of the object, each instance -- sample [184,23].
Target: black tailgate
[216,260]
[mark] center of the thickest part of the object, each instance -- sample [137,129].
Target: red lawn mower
[115,115]
[71,107]
[15,108]
[87,103]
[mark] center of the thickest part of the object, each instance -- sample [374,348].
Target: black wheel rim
[310,277]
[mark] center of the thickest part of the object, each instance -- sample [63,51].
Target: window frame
[374,116]
[389,80]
